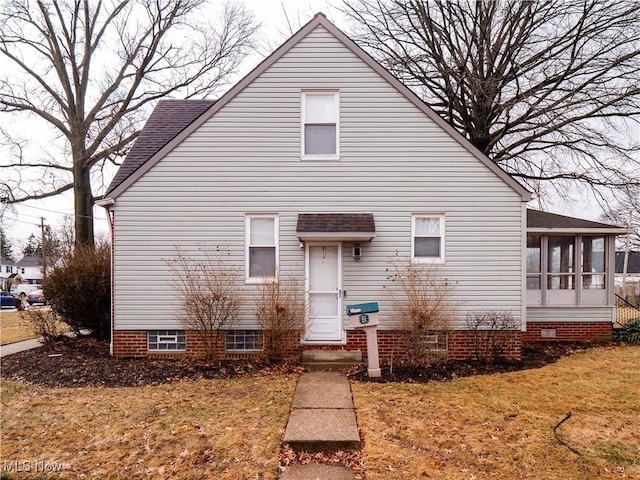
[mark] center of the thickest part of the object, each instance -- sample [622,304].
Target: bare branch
[540,87]
[92,69]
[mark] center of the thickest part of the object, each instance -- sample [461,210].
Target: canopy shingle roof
[336,222]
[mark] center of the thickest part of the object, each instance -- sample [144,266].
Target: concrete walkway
[11,348]
[322,419]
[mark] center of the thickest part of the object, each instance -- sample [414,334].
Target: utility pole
[44,250]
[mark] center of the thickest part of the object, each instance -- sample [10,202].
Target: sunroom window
[534,255]
[565,270]
[593,272]
[561,265]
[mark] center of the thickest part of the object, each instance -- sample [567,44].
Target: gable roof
[30,261]
[138,165]
[633,265]
[538,221]
[167,120]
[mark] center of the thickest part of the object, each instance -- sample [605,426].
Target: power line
[60,213]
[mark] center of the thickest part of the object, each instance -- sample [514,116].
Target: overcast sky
[277,18]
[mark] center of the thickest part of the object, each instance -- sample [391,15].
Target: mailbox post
[364,316]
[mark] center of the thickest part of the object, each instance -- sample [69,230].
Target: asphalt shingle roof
[538,219]
[336,222]
[168,119]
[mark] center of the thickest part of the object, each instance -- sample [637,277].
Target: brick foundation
[391,345]
[461,344]
[134,344]
[598,332]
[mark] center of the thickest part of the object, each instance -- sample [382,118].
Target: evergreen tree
[5,245]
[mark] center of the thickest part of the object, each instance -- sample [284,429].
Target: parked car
[36,297]
[9,301]
[24,289]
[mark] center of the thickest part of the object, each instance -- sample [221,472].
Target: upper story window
[262,246]
[320,124]
[427,242]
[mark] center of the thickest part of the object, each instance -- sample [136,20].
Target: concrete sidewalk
[322,419]
[11,348]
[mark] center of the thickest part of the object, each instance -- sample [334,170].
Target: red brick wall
[134,344]
[391,343]
[461,344]
[600,332]
[129,343]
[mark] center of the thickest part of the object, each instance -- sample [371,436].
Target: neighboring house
[8,271]
[630,288]
[30,269]
[633,263]
[320,149]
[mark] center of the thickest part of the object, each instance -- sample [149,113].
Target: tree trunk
[83,202]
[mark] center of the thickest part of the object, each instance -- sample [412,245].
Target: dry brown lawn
[14,328]
[501,426]
[217,429]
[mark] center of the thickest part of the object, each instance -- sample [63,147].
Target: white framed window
[244,340]
[427,238]
[261,247]
[166,340]
[320,124]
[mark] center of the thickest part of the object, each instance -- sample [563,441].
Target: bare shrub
[78,289]
[280,313]
[492,332]
[210,296]
[424,307]
[45,324]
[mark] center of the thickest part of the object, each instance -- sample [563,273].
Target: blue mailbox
[363,314]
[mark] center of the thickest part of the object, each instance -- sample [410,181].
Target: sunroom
[570,276]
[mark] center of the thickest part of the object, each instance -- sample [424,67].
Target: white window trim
[247,243]
[336,96]
[432,260]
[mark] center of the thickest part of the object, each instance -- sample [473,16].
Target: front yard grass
[501,426]
[218,429]
[14,327]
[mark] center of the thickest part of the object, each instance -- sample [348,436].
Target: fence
[626,312]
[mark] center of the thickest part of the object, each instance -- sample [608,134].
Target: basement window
[244,340]
[166,340]
[434,342]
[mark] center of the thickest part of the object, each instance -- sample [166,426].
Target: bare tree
[91,70]
[618,212]
[209,294]
[548,89]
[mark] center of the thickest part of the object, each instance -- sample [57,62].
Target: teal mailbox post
[364,316]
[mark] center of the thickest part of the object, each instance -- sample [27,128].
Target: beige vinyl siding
[571,314]
[394,162]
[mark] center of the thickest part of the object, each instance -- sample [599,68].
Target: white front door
[324,272]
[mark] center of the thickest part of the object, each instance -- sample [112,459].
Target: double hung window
[428,238]
[262,246]
[320,124]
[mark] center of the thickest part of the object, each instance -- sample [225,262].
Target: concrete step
[315,360]
[322,418]
[316,472]
[322,430]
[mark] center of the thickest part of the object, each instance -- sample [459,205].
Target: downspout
[107,204]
